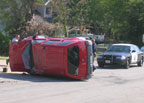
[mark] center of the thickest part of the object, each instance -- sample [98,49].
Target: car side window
[134,47]
[137,49]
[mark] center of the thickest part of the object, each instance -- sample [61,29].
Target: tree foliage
[4,43]
[15,13]
[117,19]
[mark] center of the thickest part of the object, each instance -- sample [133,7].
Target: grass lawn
[102,46]
[3,57]
[99,48]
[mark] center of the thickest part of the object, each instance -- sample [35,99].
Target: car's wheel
[33,74]
[140,63]
[5,70]
[127,65]
[101,65]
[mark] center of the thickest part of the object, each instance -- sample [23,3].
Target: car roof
[124,44]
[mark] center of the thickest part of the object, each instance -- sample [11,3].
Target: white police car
[121,54]
[142,48]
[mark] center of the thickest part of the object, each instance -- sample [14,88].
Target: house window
[48,10]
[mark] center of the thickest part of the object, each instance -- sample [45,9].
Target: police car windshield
[119,48]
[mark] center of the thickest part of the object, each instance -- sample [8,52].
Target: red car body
[70,57]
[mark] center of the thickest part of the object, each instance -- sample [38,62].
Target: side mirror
[133,51]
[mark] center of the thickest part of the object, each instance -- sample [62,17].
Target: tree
[135,21]
[62,10]
[15,13]
[94,16]
[126,18]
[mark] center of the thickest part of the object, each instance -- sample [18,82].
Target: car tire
[127,65]
[101,65]
[140,63]
[5,70]
[33,74]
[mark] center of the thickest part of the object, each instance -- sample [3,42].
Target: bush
[4,43]
[42,27]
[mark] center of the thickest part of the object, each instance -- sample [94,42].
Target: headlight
[121,57]
[100,56]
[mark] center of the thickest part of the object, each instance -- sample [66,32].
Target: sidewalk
[3,64]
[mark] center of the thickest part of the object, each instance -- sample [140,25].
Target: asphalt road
[108,85]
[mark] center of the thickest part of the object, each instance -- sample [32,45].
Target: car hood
[116,53]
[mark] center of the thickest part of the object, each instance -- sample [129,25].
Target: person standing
[94,47]
[16,39]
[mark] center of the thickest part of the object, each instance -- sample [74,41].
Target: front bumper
[111,61]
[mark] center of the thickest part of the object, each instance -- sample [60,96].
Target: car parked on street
[121,54]
[142,48]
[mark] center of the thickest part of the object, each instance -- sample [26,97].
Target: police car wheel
[140,63]
[127,65]
[101,65]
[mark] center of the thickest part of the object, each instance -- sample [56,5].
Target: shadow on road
[36,78]
[115,67]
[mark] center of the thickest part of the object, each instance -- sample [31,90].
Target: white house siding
[45,9]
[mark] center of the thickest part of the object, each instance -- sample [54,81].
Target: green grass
[100,52]
[3,57]
[100,46]
[97,55]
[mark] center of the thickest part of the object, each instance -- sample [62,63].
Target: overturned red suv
[69,57]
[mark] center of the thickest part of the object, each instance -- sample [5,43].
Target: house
[44,10]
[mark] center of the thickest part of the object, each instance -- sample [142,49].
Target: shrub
[4,43]
[41,27]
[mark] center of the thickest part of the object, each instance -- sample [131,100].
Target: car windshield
[119,48]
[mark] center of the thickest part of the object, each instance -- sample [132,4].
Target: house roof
[39,5]
[42,5]
[48,2]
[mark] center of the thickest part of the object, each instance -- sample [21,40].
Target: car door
[139,53]
[134,55]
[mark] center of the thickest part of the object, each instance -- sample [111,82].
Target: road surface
[108,85]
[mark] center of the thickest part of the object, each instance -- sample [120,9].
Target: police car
[121,54]
[142,48]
